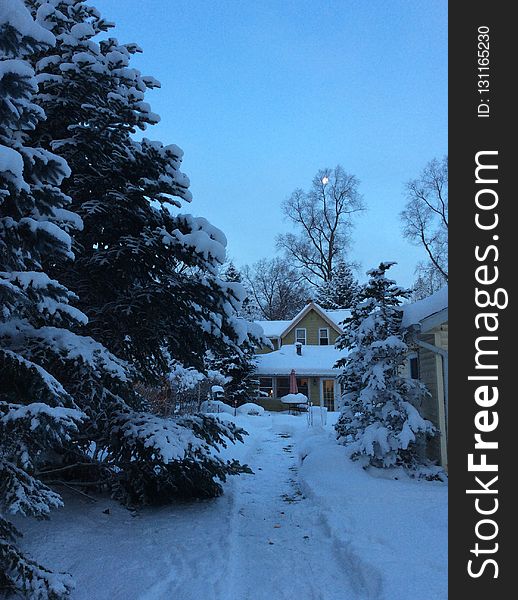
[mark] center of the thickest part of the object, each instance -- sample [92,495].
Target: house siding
[311,322]
[431,374]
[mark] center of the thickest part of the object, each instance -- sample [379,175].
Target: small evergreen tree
[232,273]
[249,309]
[340,291]
[239,367]
[379,420]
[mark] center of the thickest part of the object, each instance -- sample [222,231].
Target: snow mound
[216,406]
[250,409]
[294,399]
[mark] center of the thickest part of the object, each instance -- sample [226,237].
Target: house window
[323,336]
[266,387]
[283,386]
[302,385]
[300,336]
[328,393]
[414,367]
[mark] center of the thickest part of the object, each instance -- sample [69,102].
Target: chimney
[298,347]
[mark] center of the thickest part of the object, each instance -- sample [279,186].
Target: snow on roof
[338,315]
[326,313]
[417,311]
[273,328]
[276,328]
[314,360]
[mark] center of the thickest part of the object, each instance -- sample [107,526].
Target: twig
[73,490]
[65,468]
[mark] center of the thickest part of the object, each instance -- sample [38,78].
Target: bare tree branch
[425,219]
[278,290]
[322,217]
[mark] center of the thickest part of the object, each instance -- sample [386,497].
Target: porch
[320,390]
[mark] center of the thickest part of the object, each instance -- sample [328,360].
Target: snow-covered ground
[309,525]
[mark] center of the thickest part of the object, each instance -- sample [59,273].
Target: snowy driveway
[312,529]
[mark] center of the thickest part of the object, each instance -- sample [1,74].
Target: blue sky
[262,94]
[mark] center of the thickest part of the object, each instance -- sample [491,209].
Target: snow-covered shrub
[216,406]
[250,409]
[178,393]
[163,458]
[379,420]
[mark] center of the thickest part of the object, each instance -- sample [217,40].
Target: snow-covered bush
[178,393]
[158,458]
[216,406]
[379,420]
[250,408]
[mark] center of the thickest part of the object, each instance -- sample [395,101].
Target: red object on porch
[293,383]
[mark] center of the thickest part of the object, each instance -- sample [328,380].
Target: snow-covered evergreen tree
[340,291]
[67,404]
[428,282]
[238,366]
[144,274]
[379,420]
[239,370]
[37,414]
[249,309]
[232,273]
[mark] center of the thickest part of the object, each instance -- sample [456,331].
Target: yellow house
[306,345]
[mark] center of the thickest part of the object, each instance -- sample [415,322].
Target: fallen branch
[73,489]
[67,468]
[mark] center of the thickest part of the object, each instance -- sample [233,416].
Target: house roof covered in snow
[428,311]
[276,329]
[273,328]
[313,360]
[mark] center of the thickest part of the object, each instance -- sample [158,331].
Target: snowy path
[320,530]
[280,547]
[267,540]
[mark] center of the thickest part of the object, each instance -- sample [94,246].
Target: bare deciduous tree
[323,218]
[425,221]
[276,288]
